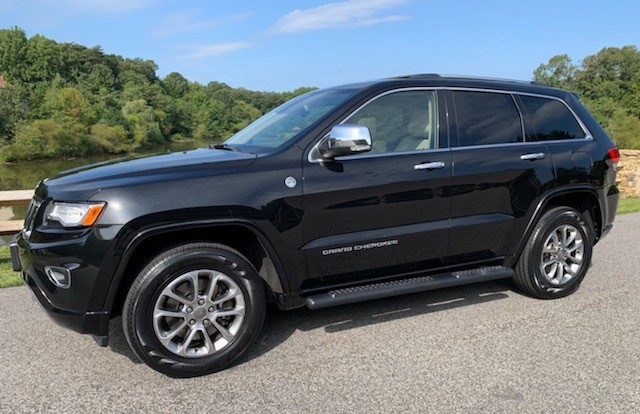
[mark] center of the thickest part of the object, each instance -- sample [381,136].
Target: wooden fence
[13,198]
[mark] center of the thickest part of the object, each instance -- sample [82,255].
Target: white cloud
[346,14]
[215,49]
[186,21]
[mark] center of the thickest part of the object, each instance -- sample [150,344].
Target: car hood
[83,182]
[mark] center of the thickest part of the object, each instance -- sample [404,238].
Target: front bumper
[79,307]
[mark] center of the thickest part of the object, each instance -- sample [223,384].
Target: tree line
[608,83]
[64,99]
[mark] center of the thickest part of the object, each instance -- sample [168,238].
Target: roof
[434,80]
[462,81]
[467,77]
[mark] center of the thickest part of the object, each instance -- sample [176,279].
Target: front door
[387,211]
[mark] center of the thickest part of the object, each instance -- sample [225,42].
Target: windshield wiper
[225,147]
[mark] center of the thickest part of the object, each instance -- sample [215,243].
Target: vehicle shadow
[118,342]
[280,325]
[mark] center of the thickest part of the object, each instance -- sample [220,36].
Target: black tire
[549,284]
[176,271]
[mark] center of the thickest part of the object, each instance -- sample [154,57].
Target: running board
[400,287]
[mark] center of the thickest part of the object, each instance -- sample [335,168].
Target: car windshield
[288,121]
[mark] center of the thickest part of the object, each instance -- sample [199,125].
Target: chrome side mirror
[346,139]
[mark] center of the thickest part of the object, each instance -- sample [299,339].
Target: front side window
[400,121]
[486,118]
[550,120]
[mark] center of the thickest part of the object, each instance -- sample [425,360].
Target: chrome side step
[401,287]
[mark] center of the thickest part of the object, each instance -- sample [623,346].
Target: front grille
[30,218]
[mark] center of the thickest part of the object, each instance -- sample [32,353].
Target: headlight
[75,214]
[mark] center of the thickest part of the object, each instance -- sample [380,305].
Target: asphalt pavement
[477,349]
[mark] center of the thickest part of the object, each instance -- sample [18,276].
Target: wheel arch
[242,236]
[581,198]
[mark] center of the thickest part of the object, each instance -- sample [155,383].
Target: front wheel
[556,258]
[194,310]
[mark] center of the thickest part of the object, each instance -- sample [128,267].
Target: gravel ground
[480,348]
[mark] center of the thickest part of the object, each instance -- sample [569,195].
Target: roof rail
[485,78]
[488,78]
[418,76]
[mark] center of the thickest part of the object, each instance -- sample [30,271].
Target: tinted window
[550,119]
[487,118]
[400,121]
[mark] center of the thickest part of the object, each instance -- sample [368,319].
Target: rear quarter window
[549,119]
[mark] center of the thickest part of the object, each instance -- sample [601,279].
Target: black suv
[340,195]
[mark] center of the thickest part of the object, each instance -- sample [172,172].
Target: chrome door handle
[429,166]
[532,156]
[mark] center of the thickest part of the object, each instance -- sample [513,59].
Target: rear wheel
[194,310]
[556,258]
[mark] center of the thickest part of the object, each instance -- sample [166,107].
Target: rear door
[497,175]
[549,120]
[387,211]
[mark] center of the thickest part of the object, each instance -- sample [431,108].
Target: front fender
[132,237]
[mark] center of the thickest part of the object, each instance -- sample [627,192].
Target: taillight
[614,154]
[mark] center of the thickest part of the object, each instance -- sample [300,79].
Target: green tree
[42,58]
[610,72]
[101,76]
[30,143]
[13,50]
[69,99]
[558,72]
[609,85]
[69,106]
[142,122]
[175,85]
[146,68]
[109,139]
[15,106]
[624,129]
[49,138]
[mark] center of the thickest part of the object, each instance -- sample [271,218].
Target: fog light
[59,276]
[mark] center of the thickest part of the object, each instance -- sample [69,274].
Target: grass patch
[629,205]
[8,277]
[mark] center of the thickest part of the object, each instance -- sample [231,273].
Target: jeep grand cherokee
[340,195]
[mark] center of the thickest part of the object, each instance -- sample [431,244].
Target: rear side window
[487,118]
[550,120]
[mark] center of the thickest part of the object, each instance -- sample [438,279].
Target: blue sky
[281,45]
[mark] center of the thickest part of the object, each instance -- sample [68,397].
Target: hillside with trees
[64,99]
[608,83]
